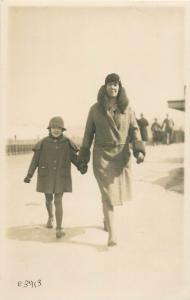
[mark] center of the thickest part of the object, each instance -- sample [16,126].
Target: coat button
[54,161]
[54,168]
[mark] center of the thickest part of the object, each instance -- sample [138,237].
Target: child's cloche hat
[56,122]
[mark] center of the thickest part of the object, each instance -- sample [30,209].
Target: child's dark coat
[53,159]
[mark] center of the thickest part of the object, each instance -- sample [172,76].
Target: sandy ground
[146,264]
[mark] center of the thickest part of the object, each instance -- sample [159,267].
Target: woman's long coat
[53,159]
[111,152]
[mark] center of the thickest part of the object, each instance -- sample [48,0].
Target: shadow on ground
[39,233]
[174,181]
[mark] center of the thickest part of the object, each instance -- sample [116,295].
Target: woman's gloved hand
[27,179]
[83,168]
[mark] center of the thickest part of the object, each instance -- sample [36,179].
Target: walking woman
[112,124]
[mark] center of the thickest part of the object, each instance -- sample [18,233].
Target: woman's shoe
[59,233]
[50,223]
[112,242]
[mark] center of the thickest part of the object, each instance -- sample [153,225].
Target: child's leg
[58,209]
[49,206]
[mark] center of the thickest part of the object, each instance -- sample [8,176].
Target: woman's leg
[105,215]
[49,206]
[58,213]
[108,210]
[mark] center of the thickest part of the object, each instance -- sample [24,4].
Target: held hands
[27,179]
[140,158]
[83,168]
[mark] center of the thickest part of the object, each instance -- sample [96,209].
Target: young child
[53,156]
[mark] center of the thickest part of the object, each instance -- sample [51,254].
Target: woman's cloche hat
[113,77]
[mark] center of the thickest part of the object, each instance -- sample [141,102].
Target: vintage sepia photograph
[95,147]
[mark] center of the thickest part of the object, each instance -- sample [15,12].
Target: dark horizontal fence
[15,147]
[178,136]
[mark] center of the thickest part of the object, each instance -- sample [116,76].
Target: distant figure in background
[168,125]
[53,156]
[143,124]
[156,129]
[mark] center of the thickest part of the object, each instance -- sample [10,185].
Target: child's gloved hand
[83,168]
[140,158]
[27,179]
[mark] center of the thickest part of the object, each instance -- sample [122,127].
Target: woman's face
[112,89]
[56,131]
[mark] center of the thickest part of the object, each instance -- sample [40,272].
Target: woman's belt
[111,144]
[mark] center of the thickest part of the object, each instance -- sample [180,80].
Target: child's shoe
[50,223]
[59,233]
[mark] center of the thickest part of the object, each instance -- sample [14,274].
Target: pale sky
[59,57]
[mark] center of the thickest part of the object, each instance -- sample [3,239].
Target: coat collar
[113,124]
[61,139]
[103,103]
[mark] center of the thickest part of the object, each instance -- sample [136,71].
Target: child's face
[56,131]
